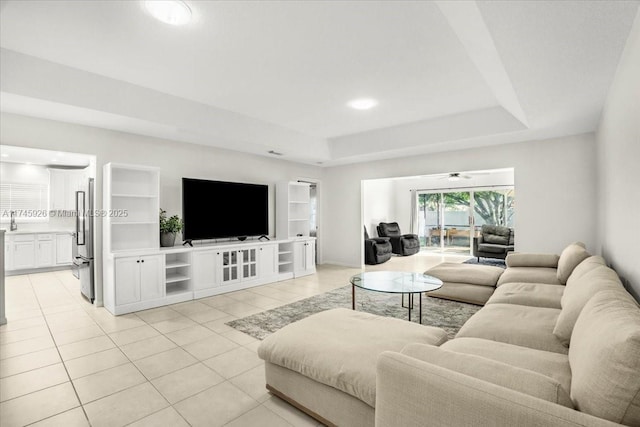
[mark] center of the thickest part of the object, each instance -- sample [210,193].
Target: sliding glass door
[449,220]
[456,222]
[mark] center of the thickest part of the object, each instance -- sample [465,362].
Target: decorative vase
[167,239]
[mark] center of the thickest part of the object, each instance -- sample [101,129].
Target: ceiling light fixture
[362,104]
[173,12]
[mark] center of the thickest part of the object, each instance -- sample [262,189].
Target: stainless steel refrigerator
[84,262]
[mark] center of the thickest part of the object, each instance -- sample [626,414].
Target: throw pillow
[570,257]
[578,294]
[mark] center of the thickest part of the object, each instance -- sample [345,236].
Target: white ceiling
[260,76]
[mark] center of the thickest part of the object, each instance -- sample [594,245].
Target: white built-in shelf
[176,264]
[285,262]
[171,278]
[299,219]
[298,201]
[177,289]
[285,252]
[137,196]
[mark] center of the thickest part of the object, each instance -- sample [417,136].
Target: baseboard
[340,264]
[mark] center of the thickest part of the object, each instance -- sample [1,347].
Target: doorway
[314,210]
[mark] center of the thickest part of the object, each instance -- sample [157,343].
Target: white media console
[147,279]
[138,274]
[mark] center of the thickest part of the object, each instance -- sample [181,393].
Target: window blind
[27,200]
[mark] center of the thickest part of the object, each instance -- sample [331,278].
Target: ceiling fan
[456,176]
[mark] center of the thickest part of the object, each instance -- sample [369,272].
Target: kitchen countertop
[52,231]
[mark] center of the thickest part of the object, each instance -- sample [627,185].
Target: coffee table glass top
[396,282]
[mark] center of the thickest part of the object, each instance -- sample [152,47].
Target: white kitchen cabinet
[138,279]
[268,261]
[24,254]
[63,185]
[64,249]
[8,252]
[45,250]
[304,257]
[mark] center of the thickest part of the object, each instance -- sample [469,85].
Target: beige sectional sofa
[558,343]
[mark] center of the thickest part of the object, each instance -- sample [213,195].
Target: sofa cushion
[605,358]
[484,275]
[463,292]
[495,372]
[529,275]
[515,324]
[492,248]
[570,257]
[576,296]
[531,294]
[586,266]
[341,347]
[532,260]
[554,365]
[495,234]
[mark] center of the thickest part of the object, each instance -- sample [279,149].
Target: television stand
[188,242]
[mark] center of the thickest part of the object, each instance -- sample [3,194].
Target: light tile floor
[64,362]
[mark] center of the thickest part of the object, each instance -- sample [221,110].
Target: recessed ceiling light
[363,103]
[173,12]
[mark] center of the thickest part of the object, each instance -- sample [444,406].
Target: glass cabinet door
[249,263]
[230,266]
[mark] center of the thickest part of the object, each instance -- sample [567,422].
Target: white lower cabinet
[167,276]
[268,261]
[139,279]
[204,269]
[45,251]
[304,257]
[64,249]
[24,252]
[8,253]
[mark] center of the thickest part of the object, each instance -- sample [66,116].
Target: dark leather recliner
[402,244]
[376,250]
[495,241]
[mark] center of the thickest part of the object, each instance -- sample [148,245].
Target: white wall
[174,159]
[555,181]
[379,203]
[618,144]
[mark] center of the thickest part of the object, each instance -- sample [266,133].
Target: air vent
[275,153]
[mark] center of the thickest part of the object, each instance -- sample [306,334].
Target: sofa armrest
[524,259]
[410,391]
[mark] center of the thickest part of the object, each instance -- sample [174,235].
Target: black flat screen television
[220,209]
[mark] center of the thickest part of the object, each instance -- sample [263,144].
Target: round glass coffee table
[395,282]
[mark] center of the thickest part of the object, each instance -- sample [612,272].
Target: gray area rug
[445,314]
[487,261]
